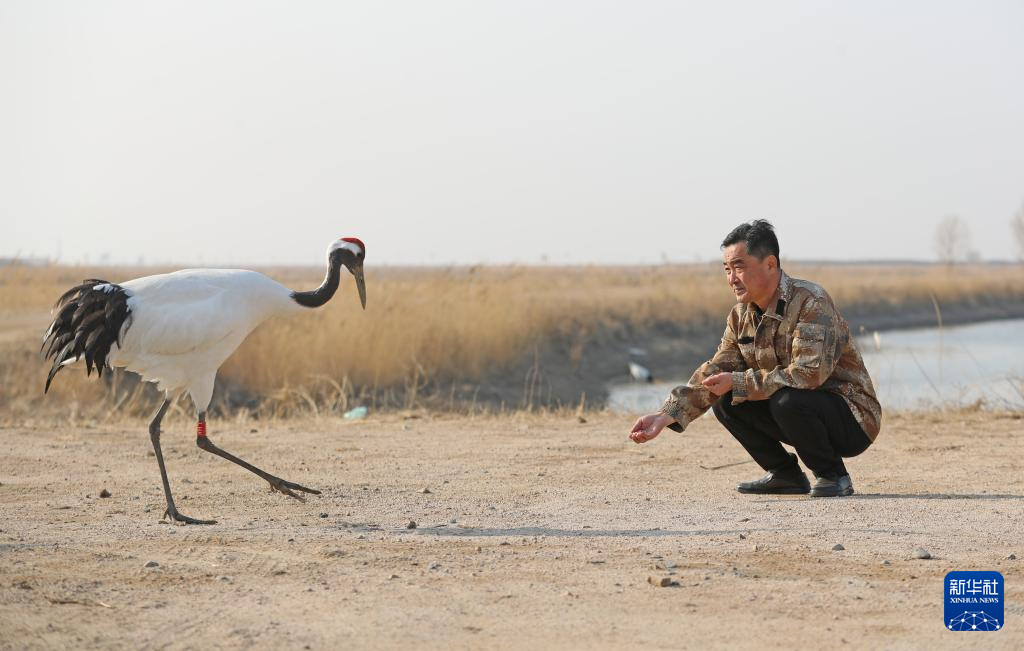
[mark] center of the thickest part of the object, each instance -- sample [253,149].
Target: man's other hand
[719,384]
[649,426]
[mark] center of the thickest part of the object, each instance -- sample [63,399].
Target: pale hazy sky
[573,132]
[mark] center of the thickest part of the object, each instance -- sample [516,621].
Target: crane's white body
[185,324]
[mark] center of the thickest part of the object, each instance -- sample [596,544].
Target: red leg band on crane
[201,429]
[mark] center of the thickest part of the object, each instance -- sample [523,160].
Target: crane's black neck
[325,291]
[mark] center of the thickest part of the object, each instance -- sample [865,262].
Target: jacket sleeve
[688,401]
[813,356]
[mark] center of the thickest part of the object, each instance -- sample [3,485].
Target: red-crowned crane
[177,329]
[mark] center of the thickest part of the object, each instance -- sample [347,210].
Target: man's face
[751,280]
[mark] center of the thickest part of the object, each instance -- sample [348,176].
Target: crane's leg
[276,483]
[154,435]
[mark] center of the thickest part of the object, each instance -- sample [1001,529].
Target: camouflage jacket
[803,343]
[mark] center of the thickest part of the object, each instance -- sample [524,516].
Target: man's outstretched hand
[649,426]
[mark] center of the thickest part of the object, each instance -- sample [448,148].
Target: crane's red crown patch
[355,240]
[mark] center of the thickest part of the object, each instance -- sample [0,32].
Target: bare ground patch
[531,531]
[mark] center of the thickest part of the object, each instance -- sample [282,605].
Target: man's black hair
[758,235]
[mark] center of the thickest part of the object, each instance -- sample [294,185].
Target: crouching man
[786,371]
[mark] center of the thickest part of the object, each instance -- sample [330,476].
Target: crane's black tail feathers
[89,319]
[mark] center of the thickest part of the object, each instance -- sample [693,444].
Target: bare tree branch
[952,239]
[1017,226]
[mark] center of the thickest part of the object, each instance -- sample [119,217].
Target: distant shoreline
[137,269]
[923,315]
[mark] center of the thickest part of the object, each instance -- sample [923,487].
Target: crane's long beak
[360,284]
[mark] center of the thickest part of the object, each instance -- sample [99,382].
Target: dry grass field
[427,329]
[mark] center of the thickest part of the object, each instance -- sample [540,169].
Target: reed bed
[426,328]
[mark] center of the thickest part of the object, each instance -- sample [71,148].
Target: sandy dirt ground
[531,532]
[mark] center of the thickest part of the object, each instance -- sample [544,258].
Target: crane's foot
[173,514]
[286,487]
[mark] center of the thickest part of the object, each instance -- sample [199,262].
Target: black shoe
[832,487]
[791,481]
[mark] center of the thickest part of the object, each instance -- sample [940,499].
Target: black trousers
[818,424]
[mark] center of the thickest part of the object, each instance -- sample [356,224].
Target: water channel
[916,369]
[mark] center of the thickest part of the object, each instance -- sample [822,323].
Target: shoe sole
[794,490]
[845,493]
